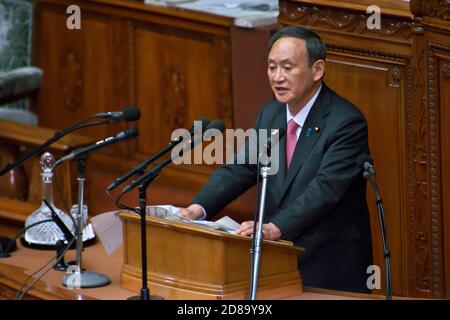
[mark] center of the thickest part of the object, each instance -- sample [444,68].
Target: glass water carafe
[46,233]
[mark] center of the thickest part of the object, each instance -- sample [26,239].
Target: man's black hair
[314,46]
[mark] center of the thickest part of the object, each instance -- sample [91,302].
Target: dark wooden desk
[23,262]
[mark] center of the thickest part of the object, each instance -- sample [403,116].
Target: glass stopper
[47,162]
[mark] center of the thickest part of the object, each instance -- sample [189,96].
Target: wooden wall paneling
[174,72]
[121,84]
[105,68]
[250,73]
[80,62]
[352,78]
[186,77]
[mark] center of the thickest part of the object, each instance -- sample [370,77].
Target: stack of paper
[246,13]
[173,213]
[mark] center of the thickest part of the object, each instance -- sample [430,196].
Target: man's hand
[269,230]
[193,212]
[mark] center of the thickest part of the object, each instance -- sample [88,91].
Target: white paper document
[108,227]
[173,213]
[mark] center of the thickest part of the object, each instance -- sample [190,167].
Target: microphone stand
[87,279]
[386,252]
[256,244]
[145,292]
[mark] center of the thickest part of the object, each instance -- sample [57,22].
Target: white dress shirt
[300,117]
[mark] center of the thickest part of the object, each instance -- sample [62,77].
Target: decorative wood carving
[446,71]
[431,8]
[367,53]
[434,154]
[419,255]
[71,77]
[343,20]
[395,76]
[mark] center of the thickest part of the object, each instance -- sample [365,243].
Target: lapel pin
[316,129]
[309,132]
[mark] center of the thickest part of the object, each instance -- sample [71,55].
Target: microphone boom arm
[58,135]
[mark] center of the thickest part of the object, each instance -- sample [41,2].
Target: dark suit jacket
[320,202]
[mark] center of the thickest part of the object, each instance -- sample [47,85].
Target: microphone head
[362,159]
[275,133]
[204,122]
[129,133]
[365,162]
[216,124]
[131,113]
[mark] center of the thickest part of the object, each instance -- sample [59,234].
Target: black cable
[121,206]
[22,292]
[20,233]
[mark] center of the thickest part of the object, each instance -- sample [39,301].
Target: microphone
[215,126]
[140,167]
[275,136]
[211,130]
[128,114]
[80,152]
[364,161]
[272,141]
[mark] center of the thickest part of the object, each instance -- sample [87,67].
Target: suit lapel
[309,136]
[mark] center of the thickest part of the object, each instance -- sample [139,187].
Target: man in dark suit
[317,199]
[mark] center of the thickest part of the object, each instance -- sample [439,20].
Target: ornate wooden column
[398,75]
[429,246]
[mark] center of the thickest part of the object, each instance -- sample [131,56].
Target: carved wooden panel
[343,20]
[180,76]
[378,89]
[439,9]
[70,91]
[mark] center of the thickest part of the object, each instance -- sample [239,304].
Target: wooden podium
[187,261]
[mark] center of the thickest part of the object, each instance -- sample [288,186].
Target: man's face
[291,78]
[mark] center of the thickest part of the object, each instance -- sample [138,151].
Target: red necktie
[291,141]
